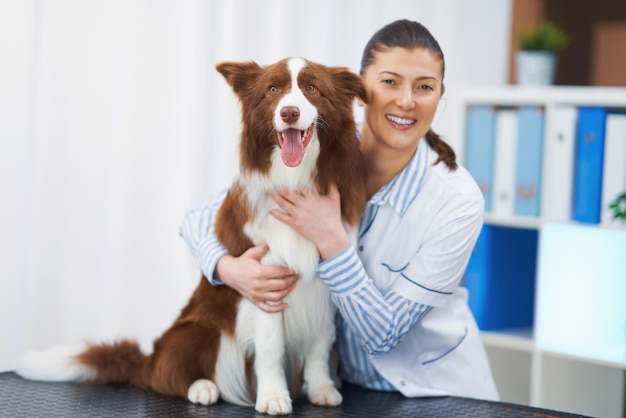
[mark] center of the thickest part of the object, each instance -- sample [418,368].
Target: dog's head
[287,105]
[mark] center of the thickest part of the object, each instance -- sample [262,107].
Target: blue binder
[500,277]
[479,146]
[589,158]
[529,161]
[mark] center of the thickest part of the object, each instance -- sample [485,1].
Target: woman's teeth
[400,121]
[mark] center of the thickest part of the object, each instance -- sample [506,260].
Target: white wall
[113,123]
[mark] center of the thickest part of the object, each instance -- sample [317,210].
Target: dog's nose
[289,114]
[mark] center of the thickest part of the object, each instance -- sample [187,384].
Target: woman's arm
[265,286]
[381,321]
[198,231]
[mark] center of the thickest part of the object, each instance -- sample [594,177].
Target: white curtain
[113,123]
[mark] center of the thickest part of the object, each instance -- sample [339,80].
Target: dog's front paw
[274,403]
[204,392]
[325,396]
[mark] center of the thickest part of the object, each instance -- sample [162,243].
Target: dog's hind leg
[184,360]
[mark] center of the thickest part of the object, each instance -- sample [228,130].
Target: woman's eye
[310,89]
[388,81]
[425,87]
[273,90]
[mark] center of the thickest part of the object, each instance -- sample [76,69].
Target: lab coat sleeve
[198,231]
[380,321]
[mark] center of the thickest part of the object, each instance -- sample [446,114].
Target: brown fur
[188,350]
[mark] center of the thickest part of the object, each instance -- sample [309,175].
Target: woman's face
[404,87]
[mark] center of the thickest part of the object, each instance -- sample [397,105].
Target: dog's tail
[119,362]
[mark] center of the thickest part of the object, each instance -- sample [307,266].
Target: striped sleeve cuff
[343,273]
[209,253]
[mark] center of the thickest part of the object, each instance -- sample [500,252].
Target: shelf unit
[524,372]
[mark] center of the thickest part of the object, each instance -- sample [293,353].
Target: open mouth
[293,143]
[400,121]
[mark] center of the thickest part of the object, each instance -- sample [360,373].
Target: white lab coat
[443,353]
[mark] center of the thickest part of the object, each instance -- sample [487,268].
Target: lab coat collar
[400,192]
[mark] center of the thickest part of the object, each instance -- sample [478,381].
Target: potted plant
[537,57]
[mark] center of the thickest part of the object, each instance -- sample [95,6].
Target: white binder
[505,161]
[561,142]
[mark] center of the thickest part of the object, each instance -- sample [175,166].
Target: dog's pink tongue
[293,149]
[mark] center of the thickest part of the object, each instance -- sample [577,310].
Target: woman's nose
[406,99]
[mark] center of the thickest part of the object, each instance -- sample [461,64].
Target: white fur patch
[56,364]
[295,97]
[275,402]
[203,392]
[325,396]
[230,374]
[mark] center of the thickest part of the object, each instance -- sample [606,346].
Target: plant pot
[535,67]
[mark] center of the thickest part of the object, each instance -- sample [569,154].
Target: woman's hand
[316,217]
[265,286]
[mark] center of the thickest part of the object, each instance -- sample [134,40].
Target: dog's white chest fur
[287,247]
[300,335]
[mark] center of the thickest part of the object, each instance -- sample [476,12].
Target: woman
[405,324]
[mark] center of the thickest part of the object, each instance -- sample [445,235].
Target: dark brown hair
[408,34]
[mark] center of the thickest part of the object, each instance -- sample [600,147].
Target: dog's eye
[310,89]
[273,90]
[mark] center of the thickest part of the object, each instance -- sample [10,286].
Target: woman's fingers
[284,200]
[271,299]
[257,252]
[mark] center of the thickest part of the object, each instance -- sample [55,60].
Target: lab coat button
[402,383]
[360,248]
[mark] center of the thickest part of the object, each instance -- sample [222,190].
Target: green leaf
[546,36]
[618,206]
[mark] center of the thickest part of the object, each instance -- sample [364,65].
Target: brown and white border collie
[298,133]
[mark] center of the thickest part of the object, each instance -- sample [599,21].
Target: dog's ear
[351,83]
[240,75]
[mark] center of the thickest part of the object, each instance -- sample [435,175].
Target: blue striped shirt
[198,231]
[371,322]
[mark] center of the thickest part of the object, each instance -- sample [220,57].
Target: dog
[298,132]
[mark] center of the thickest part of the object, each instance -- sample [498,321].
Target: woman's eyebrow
[424,77]
[384,72]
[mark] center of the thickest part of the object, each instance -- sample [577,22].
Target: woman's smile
[401,122]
